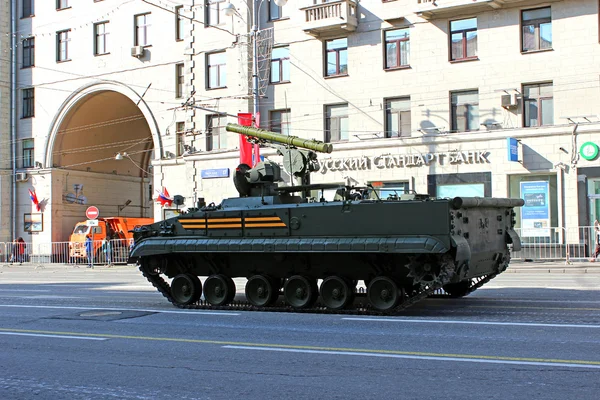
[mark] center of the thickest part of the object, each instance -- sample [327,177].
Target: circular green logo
[589,151]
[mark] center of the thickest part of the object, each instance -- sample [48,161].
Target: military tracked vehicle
[306,253]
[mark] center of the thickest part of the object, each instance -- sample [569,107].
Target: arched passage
[92,127]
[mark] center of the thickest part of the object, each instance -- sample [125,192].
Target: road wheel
[186,289]
[219,290]
[300,292]
[383,293]
[335,292]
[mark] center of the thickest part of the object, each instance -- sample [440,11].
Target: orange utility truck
[116,229]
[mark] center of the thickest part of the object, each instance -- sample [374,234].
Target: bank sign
[391,161]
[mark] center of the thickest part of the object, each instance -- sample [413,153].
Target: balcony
[433,9]
[331,18]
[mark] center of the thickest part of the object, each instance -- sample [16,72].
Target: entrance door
[593,191]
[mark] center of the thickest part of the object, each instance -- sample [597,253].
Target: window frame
[281,125]
[179,138]
[30,8]
[327,135]
[338,52]
[179,23]
[398,43]
[28,48]
[219,68]
[527,99]
[389,114]
[145,27]
[179,80]
[464,41]
[28,160]
[210,136]
[60,41]
[281,63]
[454,128]
[60,6]
[218,13]
[28,103]
[537,27]
[103,36]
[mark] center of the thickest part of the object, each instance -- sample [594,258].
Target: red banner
[245,119]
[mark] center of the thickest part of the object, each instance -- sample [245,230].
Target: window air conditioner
[509,100]
[137,51]
[21,176]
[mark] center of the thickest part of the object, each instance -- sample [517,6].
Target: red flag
[34,199]
[245,119]
[164,198]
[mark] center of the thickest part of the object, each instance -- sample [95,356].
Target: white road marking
[191,312]
[51,336]
[415,357]
[428,321]
[23,290]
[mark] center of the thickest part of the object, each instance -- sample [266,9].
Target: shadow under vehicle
[284,242]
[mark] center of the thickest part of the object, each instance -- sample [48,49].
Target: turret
[299,160]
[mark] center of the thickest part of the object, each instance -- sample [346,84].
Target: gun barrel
[309,144]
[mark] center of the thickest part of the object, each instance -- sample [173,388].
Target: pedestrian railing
[553,243]
[116,252]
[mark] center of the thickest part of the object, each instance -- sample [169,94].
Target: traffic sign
[92,212]
[92,222]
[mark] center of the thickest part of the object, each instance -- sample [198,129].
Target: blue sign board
[214,173]
[513,149]
[535,213]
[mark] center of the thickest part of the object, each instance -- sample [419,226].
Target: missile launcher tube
[309,144]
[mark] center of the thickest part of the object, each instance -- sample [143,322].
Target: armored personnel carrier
[285,242]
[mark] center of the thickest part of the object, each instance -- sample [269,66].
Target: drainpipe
[13,115]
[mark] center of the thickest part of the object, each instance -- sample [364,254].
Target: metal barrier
[116,251]
[554,243]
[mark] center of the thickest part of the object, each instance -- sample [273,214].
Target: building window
[387,190]
[27,8]
[537,29]
[465,111]
[336,123]
[62,4]
[397,117]
[463,39]
[28,157]
[337,57]
[538,104]
[62,45]
[280,121]
[28,103]
[28,52]
[280,65]
[179,23]
[180,137]
[179,80]
[217,70]
[275,12]
[216,135]
[214,10]
[101,38]
[142,30]
[397,48]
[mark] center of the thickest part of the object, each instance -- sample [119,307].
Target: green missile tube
[295,141]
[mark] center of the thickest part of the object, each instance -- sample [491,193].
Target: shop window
[397,117]
[466,184]
[388,190]
[538,104]
[537,29]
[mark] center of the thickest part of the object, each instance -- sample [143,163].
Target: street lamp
[229,10]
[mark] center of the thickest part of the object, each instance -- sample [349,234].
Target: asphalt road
[68,333]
